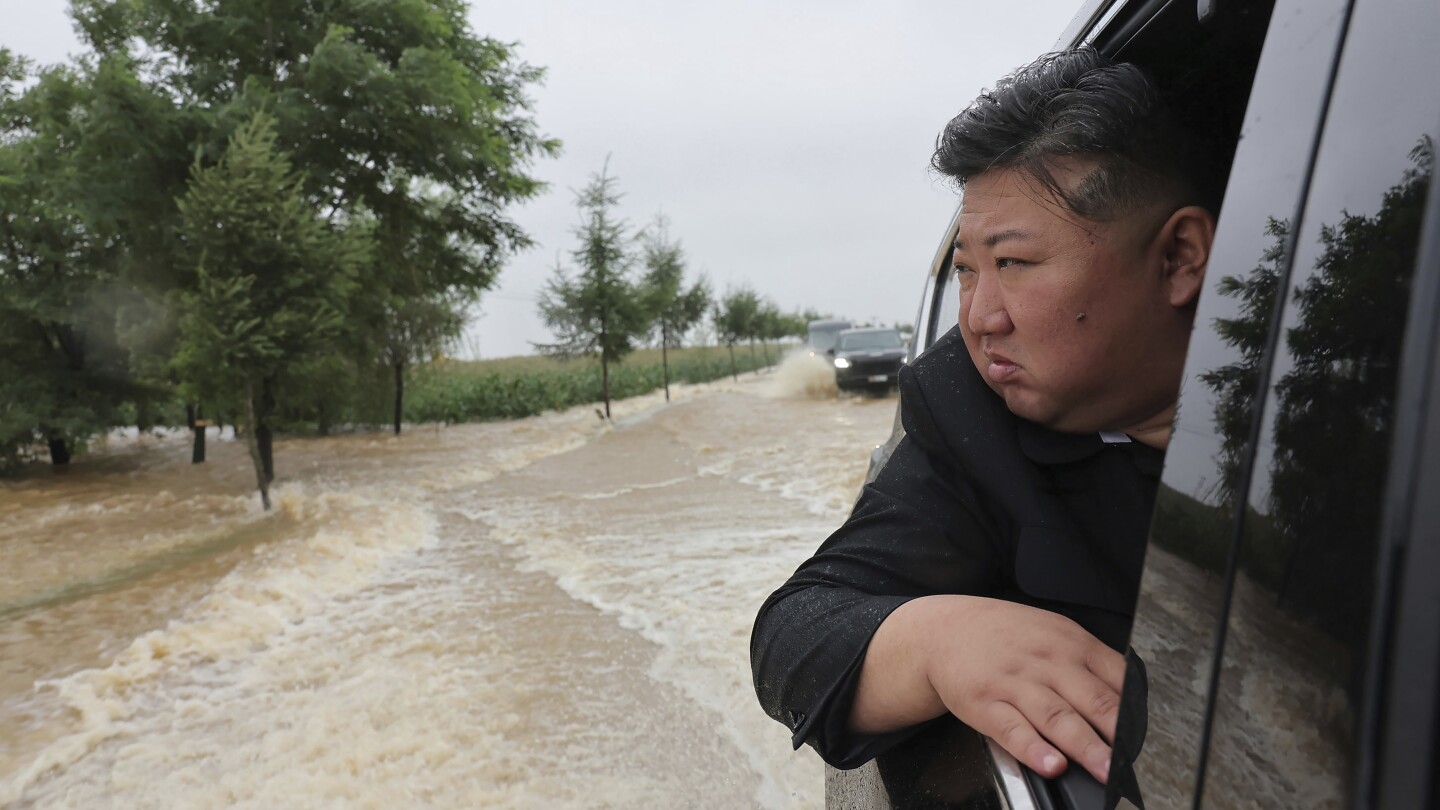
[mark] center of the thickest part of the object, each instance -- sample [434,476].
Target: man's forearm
[895,691]
[1035,681]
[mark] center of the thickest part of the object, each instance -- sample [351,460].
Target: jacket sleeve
[915,531]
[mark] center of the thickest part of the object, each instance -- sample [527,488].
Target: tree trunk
[197,453]
[605,382]
[252,430]
[665,358]
[734,374]
[754,365]
[59,451]
[322,420]
[399,395]
[193,416]
[142,414]
[765,347]
[264,437]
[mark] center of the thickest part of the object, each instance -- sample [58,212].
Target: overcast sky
[787,143]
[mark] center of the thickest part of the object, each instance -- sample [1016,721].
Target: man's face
[1070,321]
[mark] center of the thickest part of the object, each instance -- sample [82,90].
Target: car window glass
[947,311]
[1289,688]
[1177,614]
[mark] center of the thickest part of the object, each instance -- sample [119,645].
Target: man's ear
[1185,243]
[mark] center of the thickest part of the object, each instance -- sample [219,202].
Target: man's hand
[1034,681]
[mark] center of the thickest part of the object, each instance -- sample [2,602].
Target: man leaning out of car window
[990,571]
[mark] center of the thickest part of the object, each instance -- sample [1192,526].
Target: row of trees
[628,288]
[158,244]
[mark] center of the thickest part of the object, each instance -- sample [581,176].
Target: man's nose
[986,314]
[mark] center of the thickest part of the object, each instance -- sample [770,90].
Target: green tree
[735,319]
[1235,384]
[673,309]
[273,279]
[774,325]
[401,116]
[63,377]
[601,310]
[1334,408]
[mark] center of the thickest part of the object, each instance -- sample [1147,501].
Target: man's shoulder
[943,379]
[944,399]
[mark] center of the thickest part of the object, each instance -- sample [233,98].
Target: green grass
[515,387]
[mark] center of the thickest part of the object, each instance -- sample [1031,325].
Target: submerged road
[551,612]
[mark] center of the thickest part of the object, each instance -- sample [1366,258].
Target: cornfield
[510,388]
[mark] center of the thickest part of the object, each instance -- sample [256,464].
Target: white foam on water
[694,593]
[623,491]
[105,538]
[802,375]
[354,661]
[786,470]
[345,539]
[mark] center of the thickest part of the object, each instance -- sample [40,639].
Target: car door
[1185,588]
[1265,635]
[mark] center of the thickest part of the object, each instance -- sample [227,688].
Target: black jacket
[974,501]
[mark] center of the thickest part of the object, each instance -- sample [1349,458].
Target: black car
[1287,631]
[867,359]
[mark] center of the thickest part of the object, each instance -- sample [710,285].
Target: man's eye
[961,268]
[1002,263]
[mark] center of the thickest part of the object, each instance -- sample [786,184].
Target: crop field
[513,387]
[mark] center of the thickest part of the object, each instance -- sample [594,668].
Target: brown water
[549,612]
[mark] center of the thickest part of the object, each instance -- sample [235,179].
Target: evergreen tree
[401,116]
[735,318]
[273,279]
[673,309]
[600,310]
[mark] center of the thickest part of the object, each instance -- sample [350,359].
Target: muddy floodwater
[551,612]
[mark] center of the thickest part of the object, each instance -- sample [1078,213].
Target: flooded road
[549,612]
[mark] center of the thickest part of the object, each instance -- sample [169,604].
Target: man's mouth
[1001,368]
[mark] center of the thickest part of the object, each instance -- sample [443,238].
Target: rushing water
[551,612]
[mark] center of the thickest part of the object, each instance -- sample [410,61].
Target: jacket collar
[1044,446]
[1047,447]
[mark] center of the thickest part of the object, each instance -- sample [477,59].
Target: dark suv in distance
[868,359]
[1287,629]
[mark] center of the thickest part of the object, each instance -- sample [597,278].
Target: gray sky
[787,143]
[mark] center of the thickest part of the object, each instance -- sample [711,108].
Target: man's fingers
[1093,699]
[1007,726]
[1108,666]
[1059,722]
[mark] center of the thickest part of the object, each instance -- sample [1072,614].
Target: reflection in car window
[1289,689]
[1181,590]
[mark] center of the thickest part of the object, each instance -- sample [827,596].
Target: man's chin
[1026,405]
[1031,408]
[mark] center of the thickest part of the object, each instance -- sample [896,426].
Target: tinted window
[1182,589]
[1287,698]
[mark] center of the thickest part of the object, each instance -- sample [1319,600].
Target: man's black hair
[1079,104]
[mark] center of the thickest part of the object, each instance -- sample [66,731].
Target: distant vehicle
[820,335]
[868,359]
